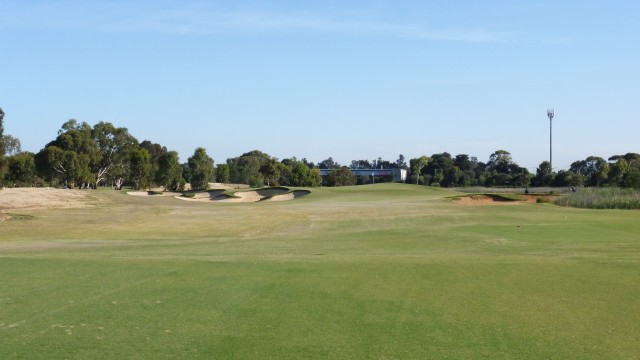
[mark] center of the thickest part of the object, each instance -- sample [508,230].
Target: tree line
[84,156]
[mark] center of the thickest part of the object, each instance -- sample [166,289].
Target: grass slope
[372,272]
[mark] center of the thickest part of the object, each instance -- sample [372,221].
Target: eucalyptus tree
[156,151]
[70,158]
[21,169]
[222,173]
[169,174]
[594,168]
[140,168]
[341,177]
[2,145]
[200,168]
[245,169]
[114,145]
[270,172]
[417,164]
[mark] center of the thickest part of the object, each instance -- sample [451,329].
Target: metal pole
[550,114]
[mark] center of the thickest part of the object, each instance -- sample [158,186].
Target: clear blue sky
[347,79]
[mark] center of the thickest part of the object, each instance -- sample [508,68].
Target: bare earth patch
[487,199]
[266,194]
[44,198]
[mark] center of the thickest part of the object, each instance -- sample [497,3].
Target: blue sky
[346,79]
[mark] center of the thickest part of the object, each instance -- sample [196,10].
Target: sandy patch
[152,193]
[289,196]
[478,199]
[266,194]
[45,198]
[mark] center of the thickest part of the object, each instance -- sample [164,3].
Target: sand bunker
[492,199]
[45,198]
[265,194]
[289,196]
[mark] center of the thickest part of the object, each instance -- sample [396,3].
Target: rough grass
[372,272]
[602,198]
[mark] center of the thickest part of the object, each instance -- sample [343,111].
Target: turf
[371,272]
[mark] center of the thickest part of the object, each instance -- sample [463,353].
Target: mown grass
[373,272]
[602,198]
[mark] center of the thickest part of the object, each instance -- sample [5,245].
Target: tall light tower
[550,114]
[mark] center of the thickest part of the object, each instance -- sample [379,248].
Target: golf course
[385,271]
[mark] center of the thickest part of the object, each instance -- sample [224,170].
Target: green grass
[382,271]
[602,198]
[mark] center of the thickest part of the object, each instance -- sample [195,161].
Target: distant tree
[328,164]
[401,163]
[169,171]
[341,177]
[595,169]
[417,165]
[617,171]
[11,145]
[632,178]
[70,158]
[543,176]
[156,151]
[3,166]
[21,169]
[469,166]
[500,161]
[361,164]
[440,165]
[315,178]
[222,173]
[114,145]
[245,169]
[64,167]
[140,173]
[565,178]
[201,169]
[285,173]
[451,177]
[300,175]
[270,172]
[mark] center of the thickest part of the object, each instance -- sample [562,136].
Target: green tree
[114,145]
[594,168]
[401,163]
[328,164]
[70,158]
[417,165]
[21,169]
[156,151]
[341,177]
[200,168]
[300,175]
[11,145]
[222,173]
[140,168]
[245,169]
[65,167]
[169,171]
[543,176]
[500,161]
[3,165]
[315,178]
[270,172]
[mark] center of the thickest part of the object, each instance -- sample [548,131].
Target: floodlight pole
[550,114]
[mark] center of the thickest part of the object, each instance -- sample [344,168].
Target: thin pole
[550,114]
